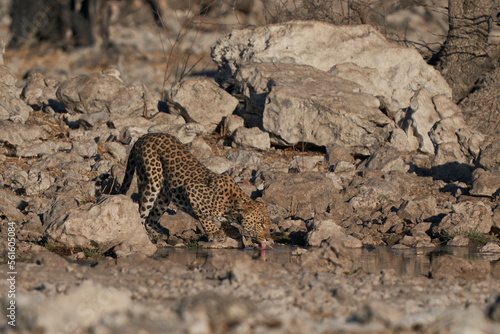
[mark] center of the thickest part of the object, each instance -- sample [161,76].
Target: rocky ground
[351,140]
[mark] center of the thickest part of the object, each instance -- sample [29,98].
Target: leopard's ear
[241,205]
[260,201]
[238,205]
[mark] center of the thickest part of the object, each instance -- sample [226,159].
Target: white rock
[186,133]
[458,241]
[112,222]
[375,193]
[466,217]
[418,120]
[252,138]
[302,196]
[85,149]
[202,101]
[39,90]
[233,122]
[485,183]
[385,160]
[490,247]
[200,149]
[399,140]
[17,134]
[383,68]
[324,229]
[489,158]
[38,148]
[336,180]
[336,153]
[91,93]
[304,163]
[11,106]
[217,165]
[38,181]
[444,137]
[445,107]
[320,110]
[80,308]
[116,150]
[471,141]
[134,100]
[244,157]
[120,122]
[346,171]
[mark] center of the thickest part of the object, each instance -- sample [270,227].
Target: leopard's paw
[219,236]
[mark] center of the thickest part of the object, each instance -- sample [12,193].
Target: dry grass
[57,128]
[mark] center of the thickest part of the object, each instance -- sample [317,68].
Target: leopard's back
[155,151]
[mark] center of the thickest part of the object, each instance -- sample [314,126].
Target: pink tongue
[262,246]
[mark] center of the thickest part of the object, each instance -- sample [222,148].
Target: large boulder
[201,101]
[40,90]
[11,106]
[9,206]
[489,157]
[358,53]
[83,306]
[434,125]
[485,183]
[17,135]
[454,142]
[97,92]
[323,229]
[31,183]
[377,192]
[465,217]
[252,138]
[321,110]
[302,196]
[113,222]
[385,159]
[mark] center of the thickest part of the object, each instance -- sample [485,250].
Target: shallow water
[411,262]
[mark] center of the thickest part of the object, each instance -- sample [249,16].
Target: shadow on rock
[449,172]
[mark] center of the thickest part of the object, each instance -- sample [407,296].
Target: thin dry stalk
[174,67]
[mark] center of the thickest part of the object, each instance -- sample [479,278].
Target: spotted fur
[168,172]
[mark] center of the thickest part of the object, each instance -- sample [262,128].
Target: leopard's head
[255,221]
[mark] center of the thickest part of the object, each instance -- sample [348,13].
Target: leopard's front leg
[201,202]
[214,233]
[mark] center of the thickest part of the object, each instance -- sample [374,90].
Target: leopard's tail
[129,174]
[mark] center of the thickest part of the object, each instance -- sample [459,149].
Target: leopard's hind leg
[159,208]
[149,182]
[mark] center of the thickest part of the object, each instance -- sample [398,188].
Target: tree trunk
[466,54]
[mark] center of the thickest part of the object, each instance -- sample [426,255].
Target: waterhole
[404,262]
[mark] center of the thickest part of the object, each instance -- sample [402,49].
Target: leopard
[168,172]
